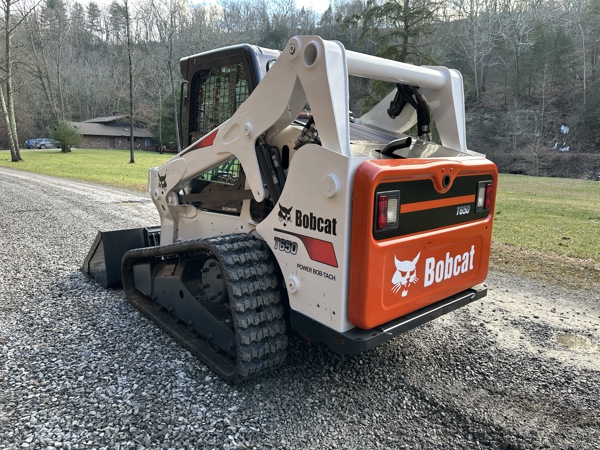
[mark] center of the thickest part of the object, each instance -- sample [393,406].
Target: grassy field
[549,214]
[548,228]
[109,167]
[545,227]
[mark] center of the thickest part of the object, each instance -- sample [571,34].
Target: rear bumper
[358,340]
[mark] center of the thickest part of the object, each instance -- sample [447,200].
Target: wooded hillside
[530,67]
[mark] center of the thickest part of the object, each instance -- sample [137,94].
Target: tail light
[387,207]
[484,196]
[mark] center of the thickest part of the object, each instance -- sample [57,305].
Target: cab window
[219,189]
[218,92]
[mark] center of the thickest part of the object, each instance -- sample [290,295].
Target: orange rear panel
[442,243]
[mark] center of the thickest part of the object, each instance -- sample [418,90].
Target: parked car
[46,143]
[31,143]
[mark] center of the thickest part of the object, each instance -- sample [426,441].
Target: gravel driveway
[79,368]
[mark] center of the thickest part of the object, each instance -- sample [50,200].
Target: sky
[318,6]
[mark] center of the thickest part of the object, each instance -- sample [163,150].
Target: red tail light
[386,214]
[382,206]
[484,196]
[488,196]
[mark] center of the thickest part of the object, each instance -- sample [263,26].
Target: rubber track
[252,283]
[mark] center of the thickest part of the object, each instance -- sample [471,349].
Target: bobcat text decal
[436,270]
[316,223]
[451,266]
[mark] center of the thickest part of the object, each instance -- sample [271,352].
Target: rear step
[103,261]
[358,340]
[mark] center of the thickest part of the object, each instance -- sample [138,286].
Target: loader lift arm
[313,70]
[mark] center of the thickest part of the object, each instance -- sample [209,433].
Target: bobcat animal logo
[405,275]
[162,180]
[285,214]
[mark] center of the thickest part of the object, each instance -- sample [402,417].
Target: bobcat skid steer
[345,230]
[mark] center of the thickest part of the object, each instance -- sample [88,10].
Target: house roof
[106,119]
[88,128]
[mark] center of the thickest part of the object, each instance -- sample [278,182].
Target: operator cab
[217,83]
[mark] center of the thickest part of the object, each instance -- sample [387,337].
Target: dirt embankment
[549,136]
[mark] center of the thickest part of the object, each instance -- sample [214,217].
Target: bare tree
[121,23]
[536,147]
[7,100]
[130,67]
[476,31]
[588,24]
[167,18]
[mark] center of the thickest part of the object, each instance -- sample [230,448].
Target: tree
[346,25]
[279,28]
[519,22]
[327,24]
[547,61]
[588,23]
[67,136]
[58,47]
[166,21]
[395,26]
[93,21]
[55,24]
[245,20]
[592,21]
[7,100]
[474,27]
[122,23]
[130,67]
[78,32]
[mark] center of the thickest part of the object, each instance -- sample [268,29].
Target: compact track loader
[345,230]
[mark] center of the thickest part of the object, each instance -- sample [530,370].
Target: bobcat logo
[285,214]
[405,275]
[162,180]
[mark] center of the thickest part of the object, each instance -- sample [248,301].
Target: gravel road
[79,368]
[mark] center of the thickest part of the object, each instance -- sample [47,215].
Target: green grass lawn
[549,229]
[544,226]
[108,167]
[549,214]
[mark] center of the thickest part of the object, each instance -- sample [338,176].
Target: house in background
[113,132]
